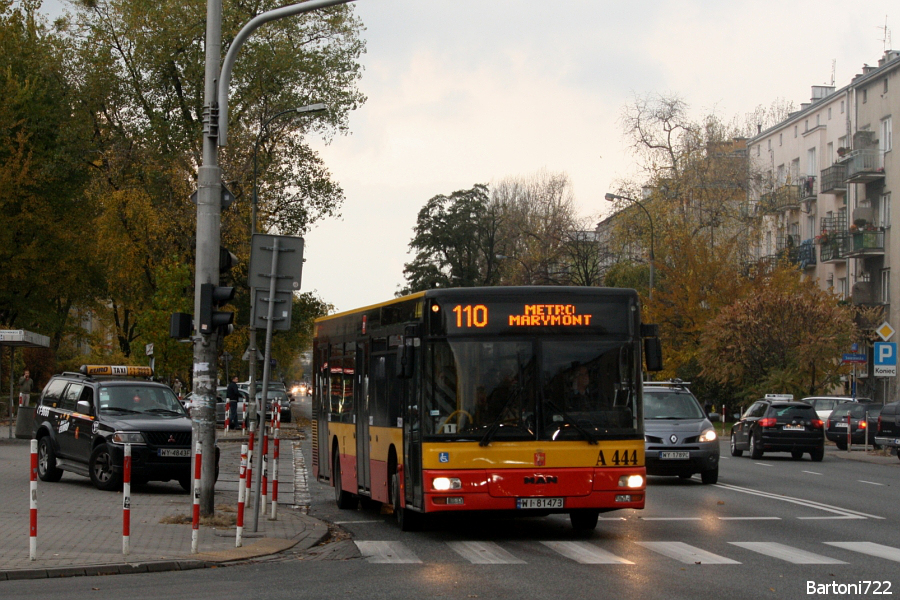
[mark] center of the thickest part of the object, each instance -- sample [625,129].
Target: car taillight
[828,423]
[817,423]
[863,424]
[768,422]
[879,424]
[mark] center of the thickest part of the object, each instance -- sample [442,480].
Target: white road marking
[812,472]
[788,553]
[870,548]
[670,518]
[586,553]
[354,522]
[749,518]
[845,513]
[763,464]
[687,554]
[869,482]
[484,553]
[386,552]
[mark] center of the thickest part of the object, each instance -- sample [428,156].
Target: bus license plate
[177,452]
[674,455]
[539,503]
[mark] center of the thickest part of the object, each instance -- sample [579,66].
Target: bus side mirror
[653,354]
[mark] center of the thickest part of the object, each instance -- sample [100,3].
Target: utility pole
[209,213]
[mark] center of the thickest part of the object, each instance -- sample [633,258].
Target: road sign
[290,262]
[149,349]
[885,359]
[885,331]
[854,358]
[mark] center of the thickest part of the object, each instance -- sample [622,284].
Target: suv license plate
[674,455]
[539,503]
[795,427]
[178,452]
[844,425]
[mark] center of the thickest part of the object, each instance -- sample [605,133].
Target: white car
[823,405]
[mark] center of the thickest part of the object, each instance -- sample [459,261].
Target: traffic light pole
[209,214]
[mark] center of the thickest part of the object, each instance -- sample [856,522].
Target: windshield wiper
[590,436]
[164,410]
[124,410]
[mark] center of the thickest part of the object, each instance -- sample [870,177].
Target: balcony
[864,166]
[834,179]
[833,224]
[833,249]
[808,190]
[786,197]
[805,254]
[866,243]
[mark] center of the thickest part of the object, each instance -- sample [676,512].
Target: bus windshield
[545,389]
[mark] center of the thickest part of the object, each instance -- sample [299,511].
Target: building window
[758,149]
[805,126]
[842,107]
[780,139]
[829,152]
[887,136]
[829,113]
[811,226]
[865,96]
[884,211]
[842,288]
[795,130]
[818,120]
[885,85]
[886,286]
[770,145]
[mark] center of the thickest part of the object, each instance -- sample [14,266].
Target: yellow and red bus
[512,399]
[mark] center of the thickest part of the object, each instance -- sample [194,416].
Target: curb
[315,532]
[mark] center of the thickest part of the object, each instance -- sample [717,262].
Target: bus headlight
[442,484]
[708,436]
[631,481]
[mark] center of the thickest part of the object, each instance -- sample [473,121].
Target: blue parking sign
[885,359]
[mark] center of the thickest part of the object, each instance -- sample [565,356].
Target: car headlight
[128,437]
[708,436]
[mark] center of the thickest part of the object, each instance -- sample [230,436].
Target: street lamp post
[612,197]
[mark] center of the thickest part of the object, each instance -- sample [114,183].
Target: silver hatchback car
[679,439]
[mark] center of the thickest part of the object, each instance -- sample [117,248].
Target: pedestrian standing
[25,386]
[176,387]
[232,395]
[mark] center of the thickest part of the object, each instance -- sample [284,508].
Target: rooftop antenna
[886,35]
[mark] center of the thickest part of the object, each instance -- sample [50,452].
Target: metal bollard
[242,483]
[195,520]
[126,501]
[264,484]
[275,447]
[32,540]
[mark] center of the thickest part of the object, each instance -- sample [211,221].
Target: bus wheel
[407,519]
[344,500]
[584,520]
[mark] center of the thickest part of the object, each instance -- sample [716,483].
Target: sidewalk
[79,528]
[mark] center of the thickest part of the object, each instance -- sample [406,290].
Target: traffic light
[213,297]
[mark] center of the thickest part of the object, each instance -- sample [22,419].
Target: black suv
[888,433]
[84,420]
[777,424]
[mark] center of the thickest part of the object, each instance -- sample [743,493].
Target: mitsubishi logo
[172,439]
[673,438]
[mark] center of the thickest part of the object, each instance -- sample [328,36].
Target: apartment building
[822,182]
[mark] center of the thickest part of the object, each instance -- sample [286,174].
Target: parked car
[679,439]
[862,426]
[276,393]
[776,425]
[825,404]
[888,429]
[221,405]
[83,421]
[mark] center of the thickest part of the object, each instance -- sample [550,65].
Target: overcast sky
[474,91]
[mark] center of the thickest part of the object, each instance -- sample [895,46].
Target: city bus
[518,399]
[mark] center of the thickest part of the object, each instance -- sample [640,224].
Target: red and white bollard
[195,520]
[126,501]
[248,496]
[32,540]
[242,484]
[264,485]
[244,420]
[276,427]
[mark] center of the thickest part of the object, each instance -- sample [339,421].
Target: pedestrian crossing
[590,553]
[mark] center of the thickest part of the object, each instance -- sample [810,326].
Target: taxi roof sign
[779,396]
[117,370]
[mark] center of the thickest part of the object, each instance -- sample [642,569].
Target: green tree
[45,241]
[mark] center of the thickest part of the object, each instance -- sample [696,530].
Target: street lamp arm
[241,37]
